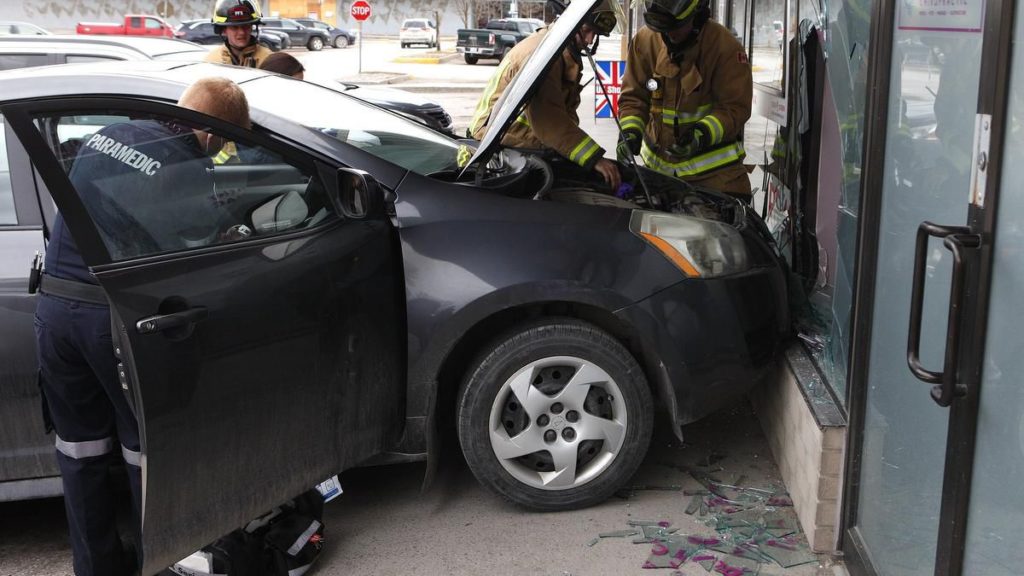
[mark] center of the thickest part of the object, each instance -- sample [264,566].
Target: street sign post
[361,11]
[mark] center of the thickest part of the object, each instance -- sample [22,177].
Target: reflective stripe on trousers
[86,448]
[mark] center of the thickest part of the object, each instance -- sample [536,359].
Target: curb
[425,59]
[375,78]
[445,88]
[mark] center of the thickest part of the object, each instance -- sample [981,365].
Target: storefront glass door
[926,177]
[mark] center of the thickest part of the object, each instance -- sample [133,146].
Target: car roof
[120,78]
[146,46]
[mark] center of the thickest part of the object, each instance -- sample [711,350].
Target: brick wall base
[808,452]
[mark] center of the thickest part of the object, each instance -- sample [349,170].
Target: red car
[134,25]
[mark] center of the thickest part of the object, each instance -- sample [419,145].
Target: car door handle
[957,239]
[161,322]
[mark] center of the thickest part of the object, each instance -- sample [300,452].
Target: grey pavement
[383,525]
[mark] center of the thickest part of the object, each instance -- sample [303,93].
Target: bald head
[217,97]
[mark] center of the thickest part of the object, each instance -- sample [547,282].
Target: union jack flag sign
[611,73]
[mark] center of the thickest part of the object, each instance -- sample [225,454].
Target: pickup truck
[134,25]
[495,39]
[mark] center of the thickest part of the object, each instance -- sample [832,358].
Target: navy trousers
[95,429]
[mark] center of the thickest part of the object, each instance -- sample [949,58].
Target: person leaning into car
[235,20]
[550,120]
[685,97]
[120,170]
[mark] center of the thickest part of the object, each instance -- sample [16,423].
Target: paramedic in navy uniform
[126,174]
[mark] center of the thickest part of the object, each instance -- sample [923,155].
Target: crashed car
[391,282]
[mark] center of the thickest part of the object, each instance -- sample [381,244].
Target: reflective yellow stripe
[715,129]
[522,120]
[697,165]
[670,116]
[583,151]
[483,106]
[689,10]
[632,122]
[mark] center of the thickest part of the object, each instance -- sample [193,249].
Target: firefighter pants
[95,429]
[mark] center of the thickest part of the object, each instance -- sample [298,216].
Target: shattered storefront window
[824,322]
[744,529]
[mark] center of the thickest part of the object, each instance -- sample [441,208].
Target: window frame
[27,199]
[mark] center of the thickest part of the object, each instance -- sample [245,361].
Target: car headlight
[700,248]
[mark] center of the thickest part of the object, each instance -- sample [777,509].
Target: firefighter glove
[629,144]
[690,143]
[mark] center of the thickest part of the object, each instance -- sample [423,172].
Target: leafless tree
[464,8]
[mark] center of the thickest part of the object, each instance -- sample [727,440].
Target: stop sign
[360,10]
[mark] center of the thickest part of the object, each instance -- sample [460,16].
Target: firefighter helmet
[235,13]
[666,15]
[602,18]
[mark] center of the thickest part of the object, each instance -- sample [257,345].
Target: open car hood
[525,83]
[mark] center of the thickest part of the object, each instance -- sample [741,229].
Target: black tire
[341,42]
[471,59]
[403,45]
[524,386]
[315,44]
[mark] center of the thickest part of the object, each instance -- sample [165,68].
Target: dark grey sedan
[299,35]
[339,37]
[393,282]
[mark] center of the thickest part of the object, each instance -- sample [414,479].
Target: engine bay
[549,177]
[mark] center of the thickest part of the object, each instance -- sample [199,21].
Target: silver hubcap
[557,423]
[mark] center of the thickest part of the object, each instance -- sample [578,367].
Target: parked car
[418,31]
[300,35]
[27,51]
[10,28]
[133,25]
[423,110]
[495,39]
[339,37]
[394,281]
[202,32]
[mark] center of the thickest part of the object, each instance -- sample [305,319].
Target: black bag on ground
[283,542]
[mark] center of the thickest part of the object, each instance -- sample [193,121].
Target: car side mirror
[359,194]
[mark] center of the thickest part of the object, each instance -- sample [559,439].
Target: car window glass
[150,188]
[79,58]
[136,22]
[7,29]
[7,214]
[153,24]
[356,123]
[14,61]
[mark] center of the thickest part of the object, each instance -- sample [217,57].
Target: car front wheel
[341,42]
[315,43]
[555,416]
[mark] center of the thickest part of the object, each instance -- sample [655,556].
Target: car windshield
[350,120]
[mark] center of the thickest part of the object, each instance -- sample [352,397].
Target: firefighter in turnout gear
[686,96]
[235,20]
[549,119]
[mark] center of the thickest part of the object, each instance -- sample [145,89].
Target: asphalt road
[383,525]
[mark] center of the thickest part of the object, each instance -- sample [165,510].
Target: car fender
[471,256]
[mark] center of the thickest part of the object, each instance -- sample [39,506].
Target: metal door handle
[161,322]
[957,239]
